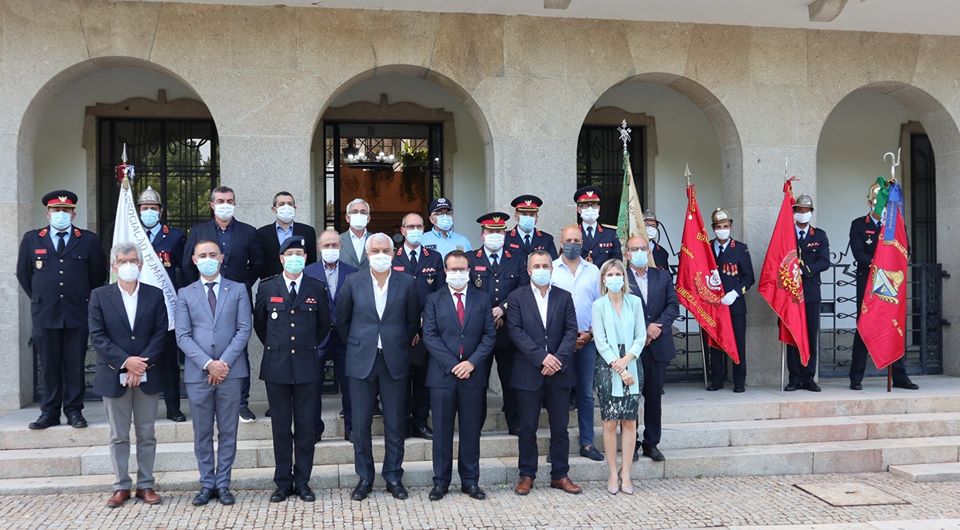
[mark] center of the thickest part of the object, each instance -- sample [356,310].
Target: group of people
[412,330]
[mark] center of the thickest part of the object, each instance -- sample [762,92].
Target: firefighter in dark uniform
[736,276]
[426,267]
[525,236]
[660,254]
[600,242]
[864,234]
[498,271]
[292,318]
[57,266]
[814,250]
[168,244]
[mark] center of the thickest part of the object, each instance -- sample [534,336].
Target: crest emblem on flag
[886,284]
[790,277]
[710,287]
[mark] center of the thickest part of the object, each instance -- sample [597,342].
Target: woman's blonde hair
[612,264]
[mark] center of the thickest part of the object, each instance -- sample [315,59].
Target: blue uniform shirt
[433,240]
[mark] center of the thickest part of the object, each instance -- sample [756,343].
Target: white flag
[127,227]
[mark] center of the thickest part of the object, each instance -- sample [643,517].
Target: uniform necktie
[803,235]
[212,297]
[293,290]
[526,241]
[60,242]
[413,258]
[590,233]
[720,252]
[494,260]
[461,312]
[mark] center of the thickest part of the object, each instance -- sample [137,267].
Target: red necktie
[460,315]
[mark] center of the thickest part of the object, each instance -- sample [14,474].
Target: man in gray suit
[353,240]
[213,326]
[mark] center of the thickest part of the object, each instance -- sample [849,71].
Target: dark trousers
[245,385]
[418,396]
[450,405]
[718,359]
[337,352]
[363,395]
[293,450]
[504,356]
[170,370]
[556,399]
[858,365]
[799,374]
[654,374]
[62,352]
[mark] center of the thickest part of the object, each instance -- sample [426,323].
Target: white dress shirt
[217,282]
[453,295]
[333,275]
[717,247]
[358,243]
[296,282]
[542,302]
[641,283]
[130,302]
[380,299]
[583,285]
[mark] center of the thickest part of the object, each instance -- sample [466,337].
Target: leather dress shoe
[908,384]
[566,485]
[653,453]
[202,498]
[306,494]
[524,485]
[45,421]
[361,491]
[225,496]
[474,492]
[148,496]
[791,387]
[856,386]
[438,492]
[77,421]
[589,451]
[280,494]
[397,490]
[176,416]
[739,389]
[420,431]
[813,387]
[118,498]
[714,388]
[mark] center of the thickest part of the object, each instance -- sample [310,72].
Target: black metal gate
[600,163]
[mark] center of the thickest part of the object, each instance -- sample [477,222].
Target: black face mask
[572,250]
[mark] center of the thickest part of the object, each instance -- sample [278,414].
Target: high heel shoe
[626,490]
[614,491]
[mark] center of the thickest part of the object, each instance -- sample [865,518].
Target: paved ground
[674,503]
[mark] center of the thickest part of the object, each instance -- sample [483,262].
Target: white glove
[729,298]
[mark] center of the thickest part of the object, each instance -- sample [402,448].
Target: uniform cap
[720,215]
[293,242]
[149,196]
[587,194]
[527,203]
[494,220]
[804,201]
[61,198]
[440,203]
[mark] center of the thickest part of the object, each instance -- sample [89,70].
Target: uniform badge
[39,264]
[276,299]
[274,315]
[430,280]
[479,282]
[869,241]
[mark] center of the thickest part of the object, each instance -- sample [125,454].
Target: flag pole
[703,343]
[894,163]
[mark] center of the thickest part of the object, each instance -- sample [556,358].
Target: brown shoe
[118,498]
[524,485]
[148,496]
[566,485]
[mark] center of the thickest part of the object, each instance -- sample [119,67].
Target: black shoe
[225,496]
[361,491]
[377,411]
[636,451]
[589,451]
[437,492]
[908,384]
[176,416]
[397,490]
[317,438]
[421,431]
[246,415]
[813,387]
[45,421]
[267,413]
[739,389]
[77,421]
[474,492]
[791,387]
[340,414]
[714,388]
[280,494]
[203,497]
[856,386]
[512,431]
[306,494]
[348,435]
[653,453]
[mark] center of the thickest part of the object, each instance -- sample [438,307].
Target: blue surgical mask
[208,266]
[527,223]
[639,259]
[414,235]
[60,220]
[150,218]
[541,277]
[294,264]
[572,250]
[445,222]
[614,284]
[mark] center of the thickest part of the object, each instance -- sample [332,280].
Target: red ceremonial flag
[883,315]
[781,283]
[698,282]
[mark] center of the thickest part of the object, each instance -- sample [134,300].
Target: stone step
[937,472]
[858,456]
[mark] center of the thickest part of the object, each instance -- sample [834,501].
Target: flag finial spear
[624,133]
[686,173]
[786,168]
[894,164]
[123,155]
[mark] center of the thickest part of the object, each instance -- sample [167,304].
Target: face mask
[224,211]
[527,222]
[330,255]
[358,221]
[150,218]
[614,283]
[572,250]
[294,264]
[639,259]
[458,279]
[60,220]
[445,222]
[414,235]
[722,234]
[541,277]
[285,213]
[802,218]
[208,266]
[590,215]
[652,233]
[128,272]
[493,242]
[380,262]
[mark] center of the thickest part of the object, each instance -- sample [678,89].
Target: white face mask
[330,255]
[380,262]
[358,221]
[802,218]
[652,233]
[286,213]
[493,242]
[128,272]
[224,211]
[458,279]
[722,234]
[590,215]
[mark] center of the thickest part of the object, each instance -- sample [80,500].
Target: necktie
[494,261]
[293,291]
[590,233]
[461,312]
[720,252]
[526,241]
[803,235]
[60,242]
[413,258]
[212,297]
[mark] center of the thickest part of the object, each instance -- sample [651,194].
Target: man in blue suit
[459,334]
[378,316]
[655,288]
[242,259]
[542,323]
[333,272]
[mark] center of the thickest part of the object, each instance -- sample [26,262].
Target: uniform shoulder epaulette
[538,232]
[77,232]
[480,253]
[399,252]
[507,254]
[611,227]
[166,229]
[268,278]
[425,251]
[513,232]
[42,232]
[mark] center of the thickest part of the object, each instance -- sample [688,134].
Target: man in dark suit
[498,271]
[600,242]
[57,266]
[660,254]
[426,268]
[378,316]
[864,234]
[333,272]
[273,235]
[660,308]
[814,249]
[459,334]
[242,259]
[525,236]
[352,241]
[128,328]
[168,243]
[292,318]
[542,323]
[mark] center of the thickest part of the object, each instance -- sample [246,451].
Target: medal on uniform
[39,264]
[430,280]
[869,241]
[274,314]
[479,282]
